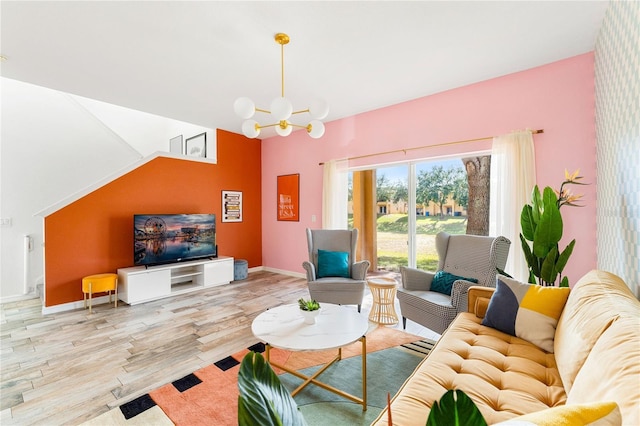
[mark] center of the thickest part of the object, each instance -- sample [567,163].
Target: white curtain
[513,176]
[335,195]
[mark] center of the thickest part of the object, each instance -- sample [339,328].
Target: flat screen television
[167,238]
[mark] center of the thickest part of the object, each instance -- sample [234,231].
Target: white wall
[147,133]
[54,145]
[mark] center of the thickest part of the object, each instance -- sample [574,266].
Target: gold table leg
[312,378]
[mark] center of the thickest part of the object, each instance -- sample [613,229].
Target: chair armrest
[459,294]
[311,270]
[359,270]
[479,299]
[416,279]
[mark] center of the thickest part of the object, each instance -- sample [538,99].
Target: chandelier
[281,109]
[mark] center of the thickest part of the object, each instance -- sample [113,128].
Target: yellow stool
[97,284]
[383,291]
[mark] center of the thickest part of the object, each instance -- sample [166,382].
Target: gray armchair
[468,256]
[329,289]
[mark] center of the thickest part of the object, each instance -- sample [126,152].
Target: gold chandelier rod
[405,150]
[282,39]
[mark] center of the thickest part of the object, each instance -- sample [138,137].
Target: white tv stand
[140,284]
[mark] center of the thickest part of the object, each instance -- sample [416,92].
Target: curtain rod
[534,132]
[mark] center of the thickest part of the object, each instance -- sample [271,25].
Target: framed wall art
[288,191]
[197,146]
[176,145]
[231,206]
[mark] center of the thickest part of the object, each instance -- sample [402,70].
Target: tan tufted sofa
[596,358]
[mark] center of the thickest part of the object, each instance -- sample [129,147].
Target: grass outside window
[392,239]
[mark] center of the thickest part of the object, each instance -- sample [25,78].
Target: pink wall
[557,97]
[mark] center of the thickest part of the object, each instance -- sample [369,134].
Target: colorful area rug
[210,395]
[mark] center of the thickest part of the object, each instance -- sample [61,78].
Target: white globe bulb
[244,108]
[317,129]
[250,129]
[319,109]
[281,109]
[284,132]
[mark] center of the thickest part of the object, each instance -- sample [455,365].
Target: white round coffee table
[337,326]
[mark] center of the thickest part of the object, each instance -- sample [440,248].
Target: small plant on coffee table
[308,305]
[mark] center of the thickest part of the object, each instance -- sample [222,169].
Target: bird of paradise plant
[541,224]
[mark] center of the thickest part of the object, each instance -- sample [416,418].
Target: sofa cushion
[504,375]
[333,264]
[443,282]
[528,311]
[596,301]
[594,414]
[611,371]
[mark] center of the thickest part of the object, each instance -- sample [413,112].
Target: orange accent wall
[95,233]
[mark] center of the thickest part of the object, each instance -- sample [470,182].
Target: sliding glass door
[399,209]
[392,212]
[440,196]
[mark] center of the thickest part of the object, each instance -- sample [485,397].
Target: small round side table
[97,284]
[383,290]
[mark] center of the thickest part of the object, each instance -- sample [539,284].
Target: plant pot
[310,316]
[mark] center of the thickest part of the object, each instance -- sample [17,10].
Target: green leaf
[564,256]
[263,400]
[455,408]
[548,272]
[527,223]
[549,197]
[536,204]
[541,249]
[564,282]
[528,255]
[549,229]
[532,261]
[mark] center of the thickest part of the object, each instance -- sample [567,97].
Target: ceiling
[189,60]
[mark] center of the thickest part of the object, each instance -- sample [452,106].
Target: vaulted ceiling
[189,60]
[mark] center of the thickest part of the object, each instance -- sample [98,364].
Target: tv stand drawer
[143,286]
[218,273]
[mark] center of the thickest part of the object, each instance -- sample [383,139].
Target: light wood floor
[69,367]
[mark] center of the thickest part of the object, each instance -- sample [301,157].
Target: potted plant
[263,399]
[309,309]
[541,224]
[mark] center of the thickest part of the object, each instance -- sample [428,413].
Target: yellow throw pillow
[592,414]
[528,311]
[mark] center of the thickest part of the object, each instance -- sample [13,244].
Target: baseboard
[79,304]
[283,272]
[277,271]
[18,298]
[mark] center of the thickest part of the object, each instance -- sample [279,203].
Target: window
[439,195]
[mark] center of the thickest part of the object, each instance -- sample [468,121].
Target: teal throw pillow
[333,264]
[443,282]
